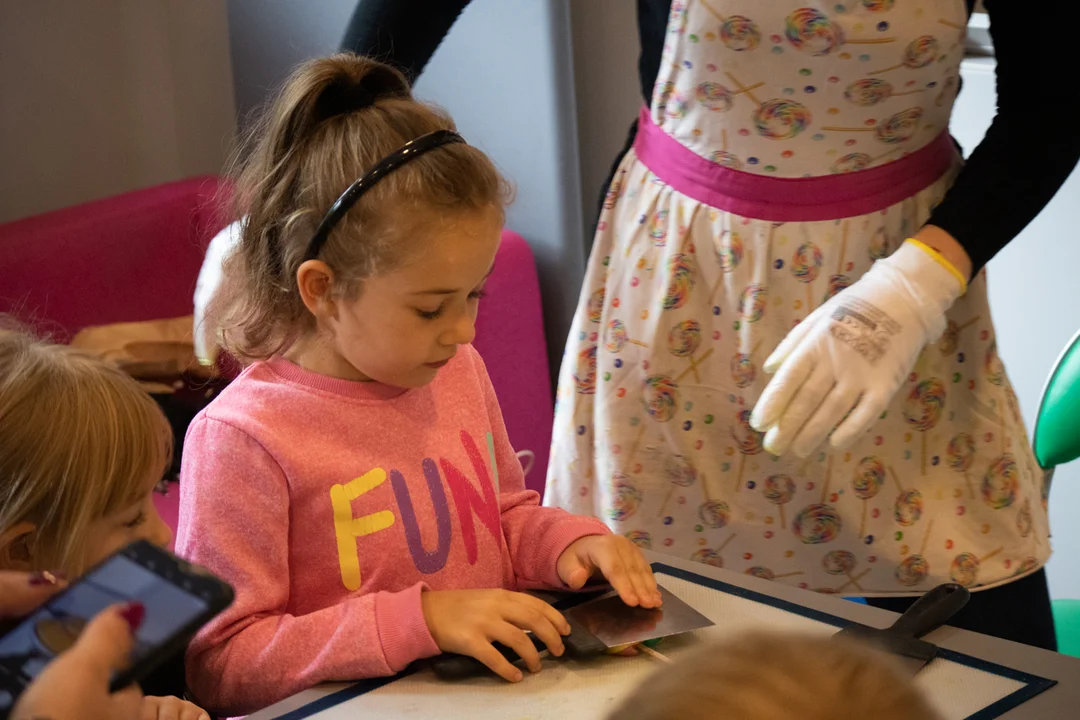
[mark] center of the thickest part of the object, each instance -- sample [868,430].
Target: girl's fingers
[527,617]
[516,639]
[626,556]
[483,651]
[21,593]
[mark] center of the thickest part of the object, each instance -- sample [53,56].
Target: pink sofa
[136,256]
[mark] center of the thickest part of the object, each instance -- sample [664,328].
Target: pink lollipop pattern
[880,245]
[616,337]
[714,514]
[854,162]
[839,281]
[730,253]
[680,473]
[718,98]
[914,568]
[908,508]
[684,339]
[894,130]
[641,538]
[738,33]
[923,409]
[657,227]
[660,396]
[747,440]
[965,567]
[1001,482]
[596,305]
[743,370]
[951,337]
[871,91]
[585,373]
[611,197]
[959,455]
[776,119]
[752,303]
[681,271]
[919,53]
[867,483]
[810,30]
[805,266]
[779,490]
[625,498]
[1024,522]
[712,557]
[765,573]
[819,523]
[841,562]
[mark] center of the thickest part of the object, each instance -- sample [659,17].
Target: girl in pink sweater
[355,483]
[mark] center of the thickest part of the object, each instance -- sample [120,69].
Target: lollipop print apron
[789,144]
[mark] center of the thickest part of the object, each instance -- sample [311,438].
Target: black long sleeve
[1033,143]
[403,33]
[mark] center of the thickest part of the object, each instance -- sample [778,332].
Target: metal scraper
[927,614]
[596,626]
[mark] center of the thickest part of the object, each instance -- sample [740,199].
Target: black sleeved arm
[1034,141]
[403,33]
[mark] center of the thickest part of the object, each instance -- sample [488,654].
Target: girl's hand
[75,686]
[468,621]
[618,560]
[171,708]
[21,593]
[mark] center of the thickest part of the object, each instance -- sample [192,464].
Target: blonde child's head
[772,676]
[393,290]
[81,451]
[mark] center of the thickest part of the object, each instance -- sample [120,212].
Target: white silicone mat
[588,690]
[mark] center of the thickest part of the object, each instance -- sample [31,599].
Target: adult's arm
[1032,144]
[403,33]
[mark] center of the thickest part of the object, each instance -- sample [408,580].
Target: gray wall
[105,97]
[505,75]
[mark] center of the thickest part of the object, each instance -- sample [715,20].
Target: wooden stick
[854,580]
[843,249]
[970,487]
[725,543]
[990,555]
[742,88]
[862,525]
[742,467]
[790,574]
[667,498]
[926,538]
[715,14]
[924,454]
[828,479]
[653,653]
[896,479]
[969,323]
[693,365]
[950,23]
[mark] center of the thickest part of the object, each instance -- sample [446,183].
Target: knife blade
[902,640]
[595,626]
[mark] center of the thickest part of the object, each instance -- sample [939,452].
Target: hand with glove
[837,371]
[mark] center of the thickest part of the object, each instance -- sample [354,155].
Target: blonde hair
[769,676]
[78,440]
[332,121]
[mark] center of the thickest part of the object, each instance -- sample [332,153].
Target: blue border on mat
[1033,684]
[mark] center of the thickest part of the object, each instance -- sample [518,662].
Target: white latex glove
[854,351]
[206,285]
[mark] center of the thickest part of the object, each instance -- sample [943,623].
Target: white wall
[1036,308]
[606,90]
[103,97]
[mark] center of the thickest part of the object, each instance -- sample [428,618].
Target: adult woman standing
[788,147]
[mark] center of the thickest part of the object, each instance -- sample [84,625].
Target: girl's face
[408,323]
[139,521]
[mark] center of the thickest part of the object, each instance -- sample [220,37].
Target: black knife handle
[451,666]
[932,610]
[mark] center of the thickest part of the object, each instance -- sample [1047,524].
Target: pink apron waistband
[827,197]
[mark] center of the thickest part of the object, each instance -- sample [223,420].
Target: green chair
[1056,442]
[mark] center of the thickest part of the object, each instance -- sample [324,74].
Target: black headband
[408,151]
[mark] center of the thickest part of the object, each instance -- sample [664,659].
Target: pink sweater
[331,505]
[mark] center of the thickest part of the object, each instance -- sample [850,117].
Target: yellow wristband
[940,260]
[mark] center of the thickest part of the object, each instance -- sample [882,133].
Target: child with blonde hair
[82,450]
[772,676]
[356,484]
